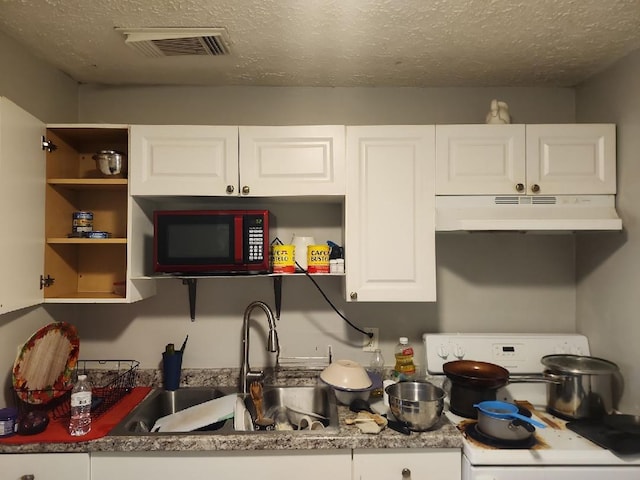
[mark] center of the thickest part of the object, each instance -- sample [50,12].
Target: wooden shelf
[92,241]
[92,183]
[86,297]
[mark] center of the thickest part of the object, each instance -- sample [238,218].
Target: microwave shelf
[205,276]
[191,281]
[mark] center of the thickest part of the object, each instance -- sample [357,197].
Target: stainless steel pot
[110,162]
[511,429]
[585,387]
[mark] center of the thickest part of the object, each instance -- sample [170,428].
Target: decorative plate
[44,367]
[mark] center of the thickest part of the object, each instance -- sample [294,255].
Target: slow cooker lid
[579,364]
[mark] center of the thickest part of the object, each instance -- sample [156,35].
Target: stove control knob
[443,352]
[458,352]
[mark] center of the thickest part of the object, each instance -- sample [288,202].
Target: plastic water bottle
[80,423]
[376,366]
[405,368]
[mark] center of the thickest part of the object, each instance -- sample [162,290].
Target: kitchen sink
[317,402]
[163,402]
[289,406]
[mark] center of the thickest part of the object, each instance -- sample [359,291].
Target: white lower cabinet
[238,465]
[390,214]
[45,466]
[407,464]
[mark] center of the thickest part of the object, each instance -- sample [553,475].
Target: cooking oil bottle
[404,368]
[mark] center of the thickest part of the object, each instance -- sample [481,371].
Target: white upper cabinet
[480,159]
[390,214]
[292,160]
[22,191]
[572,159]
[230,161]
[525,159]
[39,192]
[184,160]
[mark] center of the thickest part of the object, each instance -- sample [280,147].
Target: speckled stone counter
[443,435]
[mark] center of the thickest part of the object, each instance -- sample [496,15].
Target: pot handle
[516,422]
[546,378]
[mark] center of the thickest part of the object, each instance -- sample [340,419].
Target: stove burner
[473,432]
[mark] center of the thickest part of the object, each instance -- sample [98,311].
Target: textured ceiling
[336,42]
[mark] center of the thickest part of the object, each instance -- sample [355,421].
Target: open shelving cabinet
[84,268]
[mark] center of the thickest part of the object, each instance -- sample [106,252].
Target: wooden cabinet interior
[83,267]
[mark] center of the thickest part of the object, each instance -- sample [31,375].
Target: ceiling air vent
[170,42]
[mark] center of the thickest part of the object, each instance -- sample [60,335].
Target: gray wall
[33,84]
[608,268]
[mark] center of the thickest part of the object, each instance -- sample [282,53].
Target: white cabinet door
[563,159]
[240,465]
[22,192]
[45,466]
[407,464]
[480,159]
[571,159]
[390,213]
[184,160]
[292,160]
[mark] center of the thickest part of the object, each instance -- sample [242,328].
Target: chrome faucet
[246,374]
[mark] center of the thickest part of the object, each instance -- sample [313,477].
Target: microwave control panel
[256,243]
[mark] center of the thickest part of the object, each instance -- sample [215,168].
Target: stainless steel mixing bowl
[418,404]
[110,162]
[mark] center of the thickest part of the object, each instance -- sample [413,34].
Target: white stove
[558,453]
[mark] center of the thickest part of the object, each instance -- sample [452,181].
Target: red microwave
[210,241]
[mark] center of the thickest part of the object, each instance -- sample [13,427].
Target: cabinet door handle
[230,188]
[519,187]
[353,295]
[245,190]
[535,188]
[406,474]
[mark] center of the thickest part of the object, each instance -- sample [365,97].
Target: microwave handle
[237,248]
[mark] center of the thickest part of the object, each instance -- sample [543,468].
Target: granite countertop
[443,435]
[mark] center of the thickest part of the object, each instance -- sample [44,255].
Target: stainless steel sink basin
[162,402]
[292,400]
[288,406]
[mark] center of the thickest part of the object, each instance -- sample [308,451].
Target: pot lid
[579,364]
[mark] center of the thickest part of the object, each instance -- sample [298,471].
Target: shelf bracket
[192,284]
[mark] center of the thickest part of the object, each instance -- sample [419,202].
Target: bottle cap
[404,340]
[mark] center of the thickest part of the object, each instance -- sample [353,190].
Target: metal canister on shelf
[82,222]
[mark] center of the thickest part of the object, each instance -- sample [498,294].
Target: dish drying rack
[111,380]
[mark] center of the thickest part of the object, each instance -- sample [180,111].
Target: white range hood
[550,213]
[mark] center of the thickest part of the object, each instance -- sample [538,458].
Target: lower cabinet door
[45,466]
[263,465]
[407,464]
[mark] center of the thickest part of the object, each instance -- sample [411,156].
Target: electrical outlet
[370,344]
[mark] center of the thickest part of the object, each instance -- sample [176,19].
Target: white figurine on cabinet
[499,113]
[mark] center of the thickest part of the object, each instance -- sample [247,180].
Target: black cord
[368,334]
